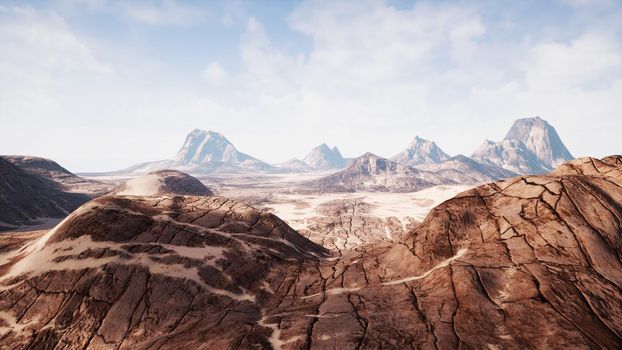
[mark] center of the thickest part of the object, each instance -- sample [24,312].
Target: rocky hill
[163,182]
[151,273]
[29,199]
[66,180]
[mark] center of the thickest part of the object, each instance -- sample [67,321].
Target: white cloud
[214,73]
[41,44]
[589,58]
[165,12]
[58,100]
[375,72]
[373,77]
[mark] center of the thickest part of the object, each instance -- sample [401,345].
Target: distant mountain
[372,173]
[294,164]
[509,154]
[463,170]
[531,146]
[205,152]
[541,139]
[163,182]
[420,151]
[205,147]
[323,157]
[27,198]
[51,170]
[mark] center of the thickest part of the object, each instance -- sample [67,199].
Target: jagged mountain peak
[541,139]
[324,147]
[420,151]
[206,132]
[206,145]
[418,140]
[522,124]
[531,146]
[324,157]
[369,158]
[374,164]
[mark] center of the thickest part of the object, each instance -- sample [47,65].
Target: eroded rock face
[532,262]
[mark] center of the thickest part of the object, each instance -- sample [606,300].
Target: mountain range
[372,173]
[531,146]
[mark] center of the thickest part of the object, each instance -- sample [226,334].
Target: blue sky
[100,85]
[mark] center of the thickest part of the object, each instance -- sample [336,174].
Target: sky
[99,85]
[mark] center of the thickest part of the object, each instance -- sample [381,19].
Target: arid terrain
[528,262]
[310,175]
[335,220]
[320,253]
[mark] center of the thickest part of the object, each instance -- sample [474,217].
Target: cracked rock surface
[345,224]
[530,262]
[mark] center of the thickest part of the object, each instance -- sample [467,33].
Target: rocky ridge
[66,180]
[27,198]
[372,173]
[463,170]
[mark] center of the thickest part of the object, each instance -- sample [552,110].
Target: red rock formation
[530,262]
